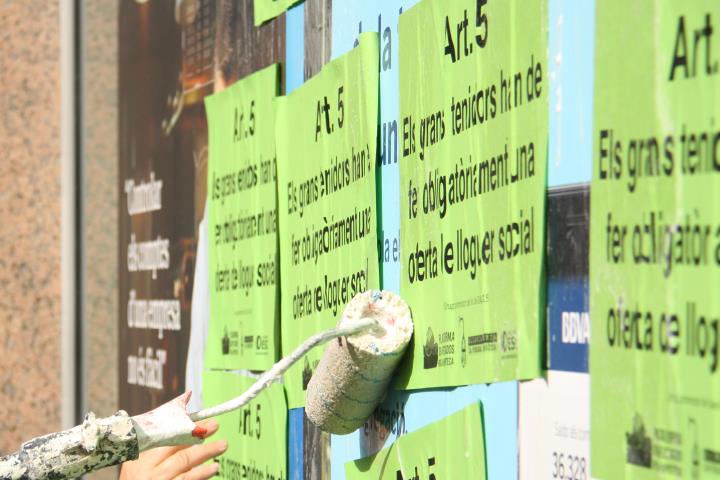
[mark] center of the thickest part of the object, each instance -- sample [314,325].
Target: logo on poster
[508,341]
[463,343]
[483,342]
[430,351]
[306,375]
[248,342]
[225,343]
[230,342]
[695,455]
[576,327]
[639,444]
[446,348]
[262,344]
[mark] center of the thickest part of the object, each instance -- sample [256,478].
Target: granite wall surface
[100,203]
[100,209]
[30,378]
[29,220]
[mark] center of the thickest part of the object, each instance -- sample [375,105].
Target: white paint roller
[347,385]
[353,374]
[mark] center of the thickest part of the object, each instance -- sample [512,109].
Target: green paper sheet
[326,147]
[242,225]
[256,433]
[655,244]
[473,132]
[268,9]
[452,448]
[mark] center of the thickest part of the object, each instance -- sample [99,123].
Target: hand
[178,463]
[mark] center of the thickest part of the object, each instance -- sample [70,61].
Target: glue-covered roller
[354,372]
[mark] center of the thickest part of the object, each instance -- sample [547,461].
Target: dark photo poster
[166,64]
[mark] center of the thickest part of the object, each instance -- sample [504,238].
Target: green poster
[256,433]
[452,448]
[326,148]
[474,128]
[242,225]
[655,245]
[268,9]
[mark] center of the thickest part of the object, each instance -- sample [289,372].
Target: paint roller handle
[266,379]
[96,444]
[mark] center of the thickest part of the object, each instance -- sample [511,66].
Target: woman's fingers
[154,456]
[209,426]
[180,462]
[190,457]
[202,472]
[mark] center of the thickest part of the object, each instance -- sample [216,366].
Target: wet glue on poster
[326,133]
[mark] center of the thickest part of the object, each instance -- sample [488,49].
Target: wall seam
[68,321]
